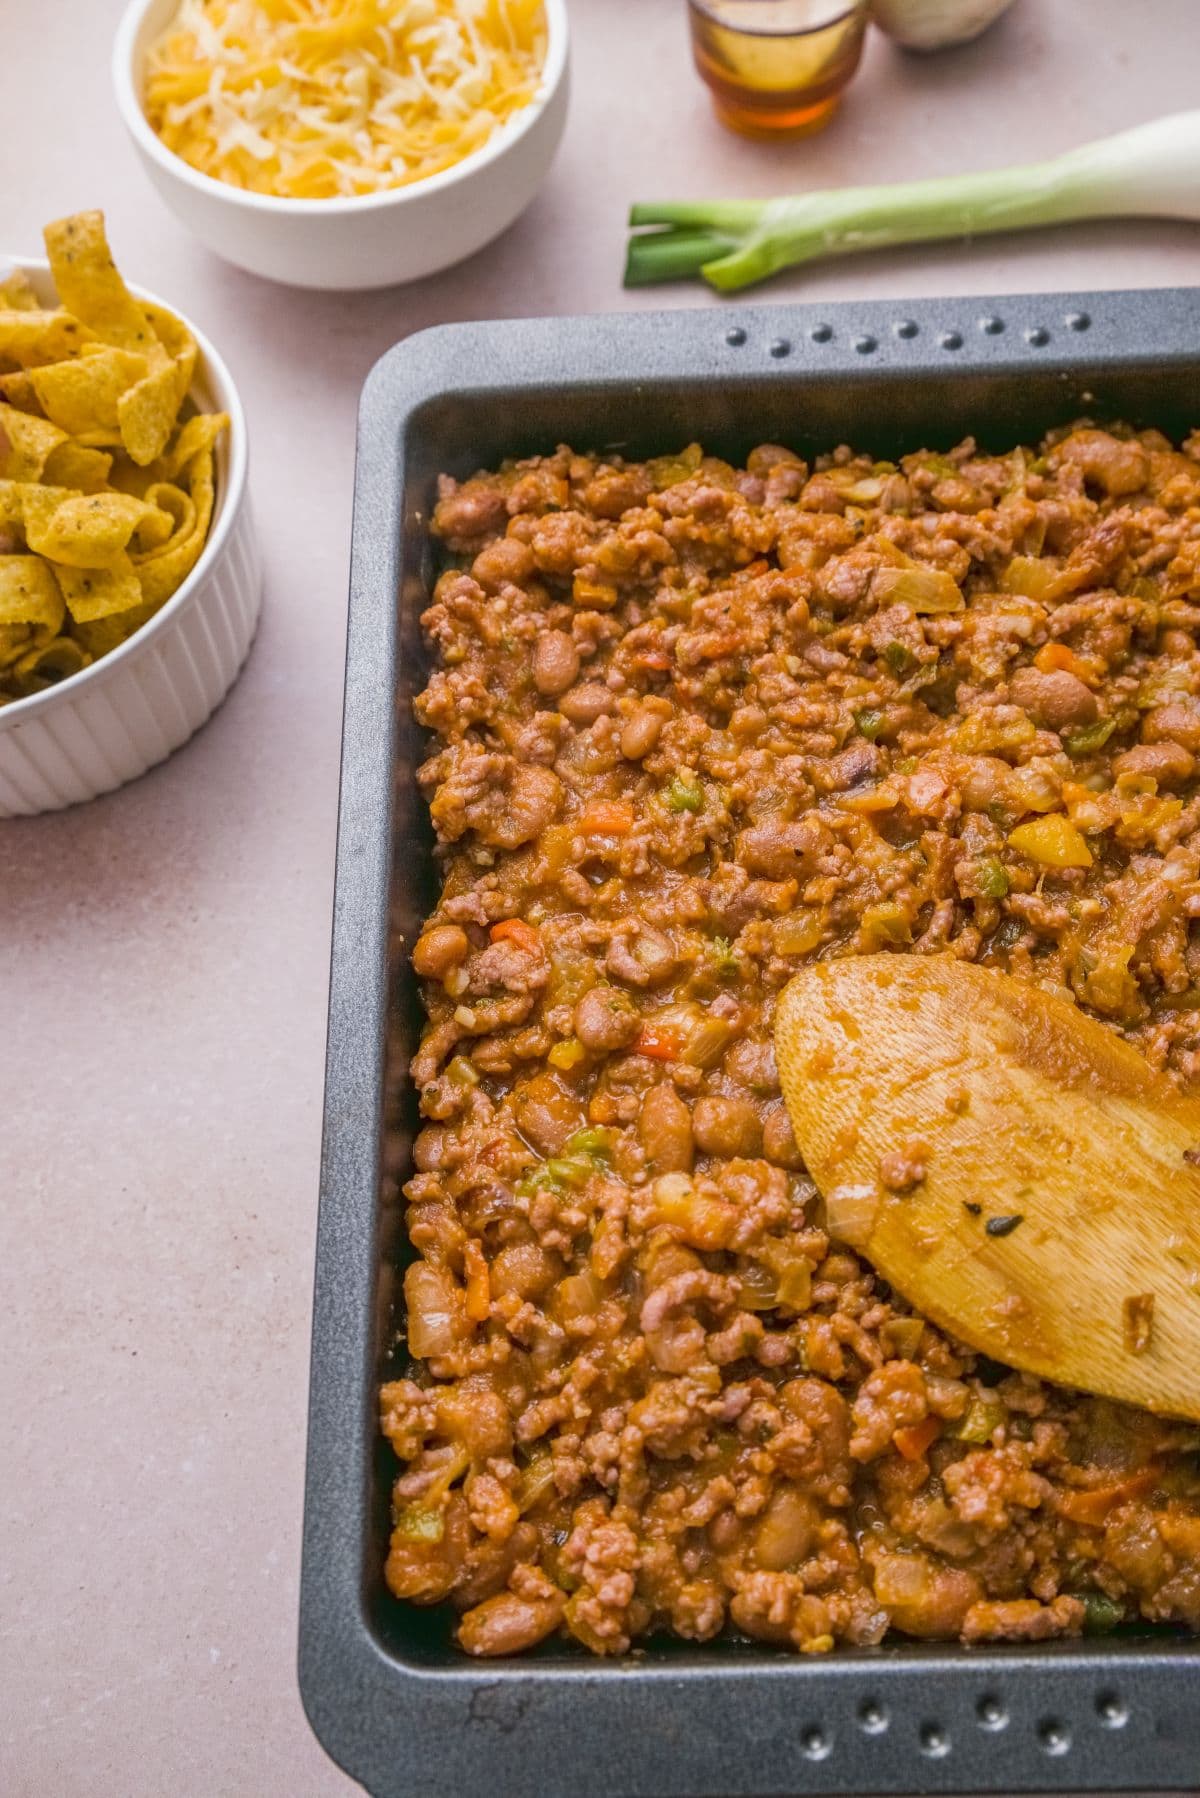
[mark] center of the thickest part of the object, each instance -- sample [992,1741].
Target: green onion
[1152,170]
[898,657]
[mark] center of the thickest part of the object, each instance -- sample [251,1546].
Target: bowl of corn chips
[129,574]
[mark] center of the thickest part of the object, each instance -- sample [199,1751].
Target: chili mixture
[695,725]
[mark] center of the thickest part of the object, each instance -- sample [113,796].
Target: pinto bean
[1113,464]
[782,850]
[524,1268]
[753,1064]
[665,1129]
[643,958]
[778,1141]
[1175,723]
[546,1114]
[606,1019]
[824,1459]
[1056,700]
[506,1623]
[726,1127]
[584,704]
[922,1598]
[506,562]
[641,732]
[787,1529]
[532,800]
[1170,764]
[555,662]
[438,950]
[468,511]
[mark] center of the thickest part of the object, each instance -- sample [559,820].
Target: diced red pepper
[662,1042]
[914,1438]
[516,930]
[717,644]
[1053,658]
[479,1289]
[1092,1507]
[607,818]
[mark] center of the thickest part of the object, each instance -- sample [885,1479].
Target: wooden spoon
[1020,1174]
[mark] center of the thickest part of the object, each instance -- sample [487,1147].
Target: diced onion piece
[886,923]
[1036,577]
[420,1524]
[901,1337]
[536,1481]
[795,1285]
[436,1310]
[579,1295]
[799,933]
[924,589]
[708,1041]
[703,1222]
[850,1213]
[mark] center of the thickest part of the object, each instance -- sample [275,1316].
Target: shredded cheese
[325,99]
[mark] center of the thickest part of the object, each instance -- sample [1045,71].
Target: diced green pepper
[978,1422]
[594,1140]
[898,658]
[1089,737]
[542,1178]
[684,796]
[991,877]
[571,1170]
[1100,1613]
[868,722]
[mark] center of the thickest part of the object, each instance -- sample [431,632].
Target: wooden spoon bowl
[1018,1172]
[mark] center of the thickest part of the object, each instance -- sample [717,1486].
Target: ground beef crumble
[694,725]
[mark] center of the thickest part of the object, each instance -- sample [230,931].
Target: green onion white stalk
[1152,170]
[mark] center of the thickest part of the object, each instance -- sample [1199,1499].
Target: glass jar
[777,67]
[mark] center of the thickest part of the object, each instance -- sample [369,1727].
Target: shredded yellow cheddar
[326,99]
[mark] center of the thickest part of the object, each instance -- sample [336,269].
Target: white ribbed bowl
[132,707]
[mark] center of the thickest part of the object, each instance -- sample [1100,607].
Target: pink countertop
[164,951]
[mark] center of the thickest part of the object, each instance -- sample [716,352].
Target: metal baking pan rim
[1060,1717]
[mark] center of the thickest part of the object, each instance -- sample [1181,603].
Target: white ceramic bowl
[132,707]
[375,240]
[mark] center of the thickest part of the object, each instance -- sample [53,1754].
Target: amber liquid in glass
[776,67]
